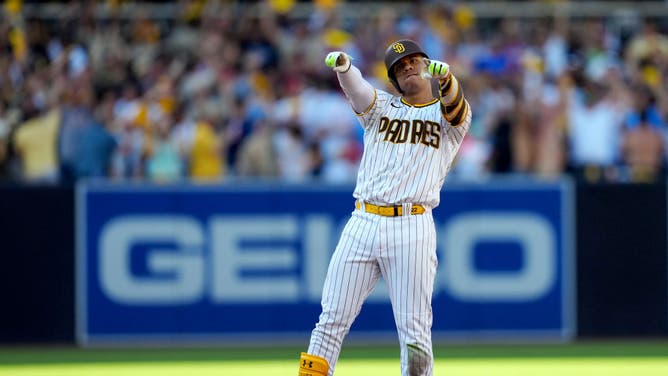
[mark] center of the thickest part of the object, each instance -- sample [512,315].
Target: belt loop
[407,206]
[362,206]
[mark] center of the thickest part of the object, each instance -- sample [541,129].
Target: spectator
[256,157]
[292,153]
[646,48]
[236,131]
[163,160]
[8,120]
[643,150]
[35,142]
[97,143]
[252,68]
[549,144]
[77,117]
[207,163]
[594,125]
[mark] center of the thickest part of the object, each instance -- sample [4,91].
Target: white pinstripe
[392,173]
[371,246]
[394,170]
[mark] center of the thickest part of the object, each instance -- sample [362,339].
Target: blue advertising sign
[171,263]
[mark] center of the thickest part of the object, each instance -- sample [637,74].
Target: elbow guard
[453,105]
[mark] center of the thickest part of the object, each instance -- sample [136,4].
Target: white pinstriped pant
[403,251]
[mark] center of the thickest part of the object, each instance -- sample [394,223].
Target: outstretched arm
[359,91]
[454,107]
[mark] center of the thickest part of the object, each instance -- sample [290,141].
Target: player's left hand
[438,69]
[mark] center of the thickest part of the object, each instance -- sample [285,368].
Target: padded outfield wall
[518,261]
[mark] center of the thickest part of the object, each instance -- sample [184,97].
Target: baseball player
[410,141]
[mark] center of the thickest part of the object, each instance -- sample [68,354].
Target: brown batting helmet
[397,51]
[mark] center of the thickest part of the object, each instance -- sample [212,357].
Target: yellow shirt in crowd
[206,159]
[36,141]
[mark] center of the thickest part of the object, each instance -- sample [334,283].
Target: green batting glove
[331,58]
[438,69]
[339,61]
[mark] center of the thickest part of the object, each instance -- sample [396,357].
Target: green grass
[591,359]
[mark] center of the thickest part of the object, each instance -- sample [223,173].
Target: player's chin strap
[312,365]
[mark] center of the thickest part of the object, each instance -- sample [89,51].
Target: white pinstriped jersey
[408,151]
[400,250]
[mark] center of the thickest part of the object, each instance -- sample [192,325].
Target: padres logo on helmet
[398,47]
[395,52]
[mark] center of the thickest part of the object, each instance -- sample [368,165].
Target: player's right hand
[339,61]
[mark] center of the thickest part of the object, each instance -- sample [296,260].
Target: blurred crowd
[224,91]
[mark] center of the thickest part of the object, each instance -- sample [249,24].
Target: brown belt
[389,211]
